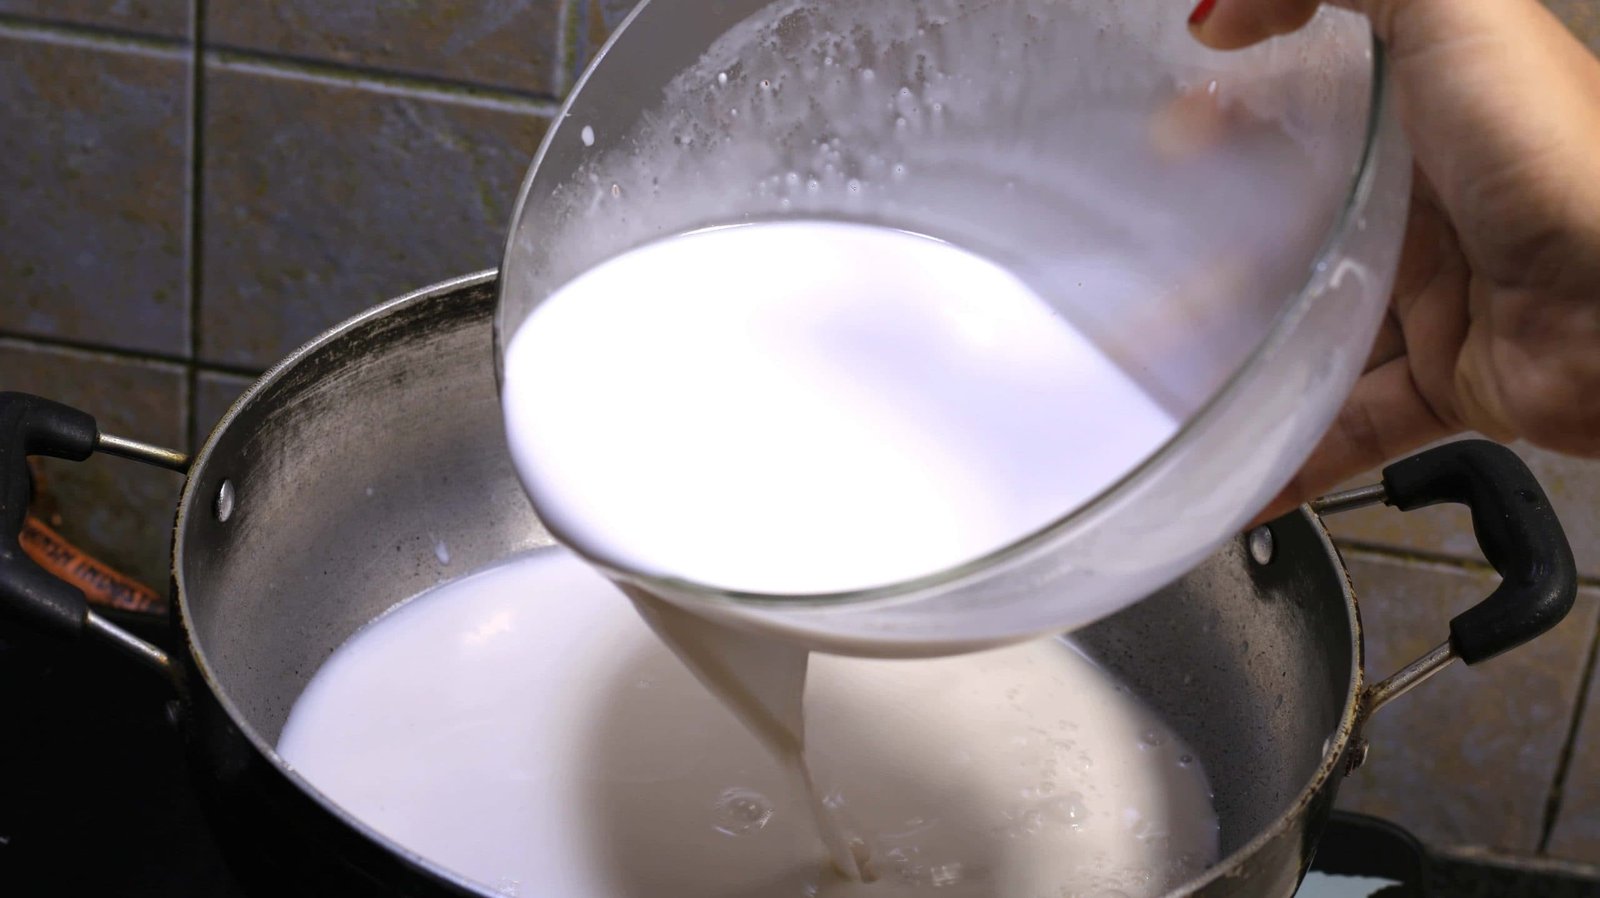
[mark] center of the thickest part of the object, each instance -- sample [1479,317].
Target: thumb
[1231,24]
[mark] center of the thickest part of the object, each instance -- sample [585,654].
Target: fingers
[1231,24]
[1540,382]
[1385,417]
[1390,343]
[1429,303]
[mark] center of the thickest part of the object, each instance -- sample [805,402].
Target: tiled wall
[189,188]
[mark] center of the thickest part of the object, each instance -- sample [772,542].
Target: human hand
[1494,324]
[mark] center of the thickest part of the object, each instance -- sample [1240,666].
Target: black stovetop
[95,800]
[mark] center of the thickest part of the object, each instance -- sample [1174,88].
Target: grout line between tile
[566,45]
[89,351]
[1558,783]
[91,37]
[1431,559]
[1522,862]
[334,75]
[202,370]
[94,350]
[1411,556]
[99,37]
[196,193]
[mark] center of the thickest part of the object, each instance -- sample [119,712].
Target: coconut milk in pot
[524,727]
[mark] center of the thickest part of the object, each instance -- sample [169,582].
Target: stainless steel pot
[319,500]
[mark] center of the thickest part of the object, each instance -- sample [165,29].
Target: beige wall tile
[324,198]
[167,18]
[214,392]
[501,43]
[93,172]
[1576,836]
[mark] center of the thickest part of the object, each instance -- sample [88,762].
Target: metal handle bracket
[30,425]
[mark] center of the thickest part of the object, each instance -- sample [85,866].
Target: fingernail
[1201,13]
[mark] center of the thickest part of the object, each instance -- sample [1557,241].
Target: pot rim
[1338,742]
[1332,761]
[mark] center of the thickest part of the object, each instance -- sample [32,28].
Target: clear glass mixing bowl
[1225,226]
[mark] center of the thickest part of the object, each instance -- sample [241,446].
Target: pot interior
[370,466]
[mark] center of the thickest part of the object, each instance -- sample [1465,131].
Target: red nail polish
[1201,12]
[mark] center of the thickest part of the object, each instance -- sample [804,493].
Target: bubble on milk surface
[908,866]
[741,812]
[1069,810]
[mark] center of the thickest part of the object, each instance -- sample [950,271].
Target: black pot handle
[29,595]
[33,426]
[1517,530]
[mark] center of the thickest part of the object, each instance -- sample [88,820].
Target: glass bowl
[1225,226]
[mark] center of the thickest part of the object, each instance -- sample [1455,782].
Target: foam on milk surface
[524,728]
[808,406]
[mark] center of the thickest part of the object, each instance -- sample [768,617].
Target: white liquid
[804,407]
[523,728]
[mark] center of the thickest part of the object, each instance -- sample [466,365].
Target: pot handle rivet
[29,594]
[224,504]
[1261,545]
[1356,756]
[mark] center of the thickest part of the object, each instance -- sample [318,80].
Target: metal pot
[318,502]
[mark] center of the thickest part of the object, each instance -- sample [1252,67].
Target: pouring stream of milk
[763,681]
